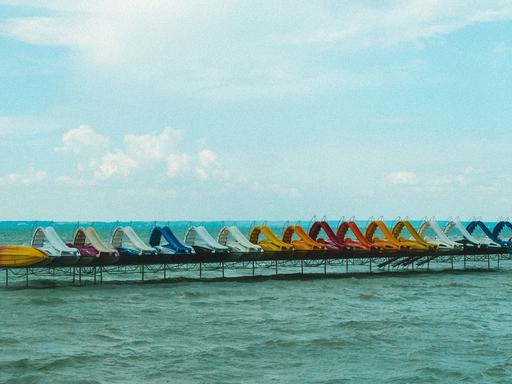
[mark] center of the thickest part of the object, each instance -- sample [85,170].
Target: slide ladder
[199,238]
[432,233]
[270,243]
[47,240]
[90,245]
[414,237]
[486,237]
[173,245]
[356,243]
[138,244]
[498,233]
[456,231]
[304,242]
[331,242]
[388,243]
[233,238]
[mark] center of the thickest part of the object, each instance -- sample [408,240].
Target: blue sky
[254,110]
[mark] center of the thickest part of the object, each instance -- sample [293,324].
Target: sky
[268,110]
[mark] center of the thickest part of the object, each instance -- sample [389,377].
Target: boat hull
[21,256]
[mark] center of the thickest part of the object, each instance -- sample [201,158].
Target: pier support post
[325,266]
[488,261]
[452,261]
[253,268]
[498,261]
[26,277]
[370,265]
[302,267]
[94,275]
[142,272]
[73,275]
[276,267]
[200,270]
[222,265]
[165,271]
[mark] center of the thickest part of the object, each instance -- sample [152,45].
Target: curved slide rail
[488,239]
[304,242]
[432,233]
[48,241]
[270,243]
[462,236]
[138,244]
[405,226]
[498,230]
[199,238]
[388,243]
[21,256]
[92,248]
[236,241]
[331,242]
[173,245]
[359,242]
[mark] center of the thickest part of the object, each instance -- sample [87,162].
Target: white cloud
[32,176]
[142,153]
[177,163]
[114,163]
[402,177]
[217,49]
[82,140]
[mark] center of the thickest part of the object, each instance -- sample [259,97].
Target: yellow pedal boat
[20,256]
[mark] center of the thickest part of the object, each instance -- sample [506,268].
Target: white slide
[47,240]
[432,233]
[199,236]
[236,241]
[131,235]
[458,228]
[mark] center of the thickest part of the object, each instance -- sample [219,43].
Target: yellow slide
[304,242]
[20,256]
[406,226]
[271,243]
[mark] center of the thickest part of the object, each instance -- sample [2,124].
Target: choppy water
[410,328]
[425,328]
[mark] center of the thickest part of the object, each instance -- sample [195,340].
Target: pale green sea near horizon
[443,327]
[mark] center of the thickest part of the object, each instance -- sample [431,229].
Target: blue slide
[173,243]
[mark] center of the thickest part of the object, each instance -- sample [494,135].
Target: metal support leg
[302,267]
[200,270]
[165,271]
[142,272]
[498,261]
[276,267]
[452,261]
[222,264]
[325,267]
[253,268]
[346,265]
[73,275]
[370,265]
[94,275]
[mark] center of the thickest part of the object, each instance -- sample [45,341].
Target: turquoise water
[423,328]
[402,328]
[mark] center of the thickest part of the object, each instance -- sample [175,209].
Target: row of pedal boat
[127,248]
